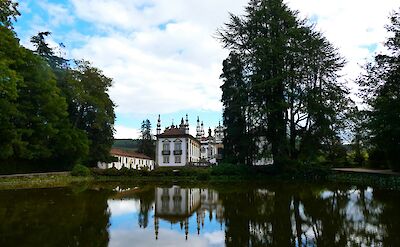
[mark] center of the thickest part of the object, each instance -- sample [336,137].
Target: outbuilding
[128,159]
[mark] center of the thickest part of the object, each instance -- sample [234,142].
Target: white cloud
[159,71]
[216,238]
[177,67]
[121,14]
[118,207]
[59,14]
[122,132]
[23,7]
[146,237]
[351,26]
[144,14]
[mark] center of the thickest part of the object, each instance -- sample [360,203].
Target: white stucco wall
[128,162]
[210,152]
[194,151]
[171,163]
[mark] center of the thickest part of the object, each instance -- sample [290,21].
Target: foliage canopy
[51,110]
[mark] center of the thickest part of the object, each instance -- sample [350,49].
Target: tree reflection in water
[310,216]
[284,215]
[54,217]
[224,215]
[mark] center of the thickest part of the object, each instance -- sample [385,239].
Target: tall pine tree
[294,101]
[237,138]
[381,91]
[146,145]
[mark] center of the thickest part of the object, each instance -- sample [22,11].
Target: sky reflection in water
[175,217]
[223,215]
[246,216]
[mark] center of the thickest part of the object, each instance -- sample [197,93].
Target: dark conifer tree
[295,105]
[237,138]
[381,91]
[147,145]
[8,13]
[57,63]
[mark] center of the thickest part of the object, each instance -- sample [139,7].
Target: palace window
[165,159]
[165,146]
[178,159]
[178,145]
[165,201]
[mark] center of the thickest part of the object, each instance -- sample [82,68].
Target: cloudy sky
[124,229]
[163,55]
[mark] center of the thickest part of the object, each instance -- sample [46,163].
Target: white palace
[175,147]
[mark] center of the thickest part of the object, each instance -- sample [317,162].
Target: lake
[235,214]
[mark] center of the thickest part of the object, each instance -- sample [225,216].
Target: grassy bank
[195,176]
[391,182]
[42,181]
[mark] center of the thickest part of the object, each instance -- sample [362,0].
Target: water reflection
[180,217]
[178,205]
[228,215]
[274,215]
[54,217]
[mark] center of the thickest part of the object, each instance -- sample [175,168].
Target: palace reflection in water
[177,205]
[225,215]
[275,215]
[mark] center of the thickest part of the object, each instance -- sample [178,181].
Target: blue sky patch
[164,25]
[371,47]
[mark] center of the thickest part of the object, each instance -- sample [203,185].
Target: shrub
[80,170]
[144,172]
[124,171]
[203,176]
[112,172]
[312,170]
[162,171]
[230,170]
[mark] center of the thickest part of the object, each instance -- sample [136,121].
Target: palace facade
[176,147]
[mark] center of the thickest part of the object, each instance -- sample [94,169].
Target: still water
[223,215]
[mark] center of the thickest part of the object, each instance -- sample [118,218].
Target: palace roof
[173,131]
[129,153]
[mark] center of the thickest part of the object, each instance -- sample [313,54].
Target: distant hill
[128,144]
